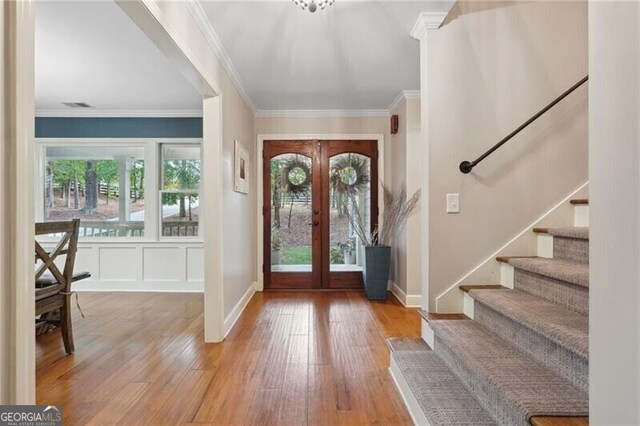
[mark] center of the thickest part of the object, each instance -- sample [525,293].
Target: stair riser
[426,333]
[565,363]
[571,249]
[565,294]
[581,215]
[487,398]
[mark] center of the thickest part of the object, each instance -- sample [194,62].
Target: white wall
[490,67]
[237,248]
[405,169]
[614,175]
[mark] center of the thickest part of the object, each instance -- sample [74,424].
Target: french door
[317,194]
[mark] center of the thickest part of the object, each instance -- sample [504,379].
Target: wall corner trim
[427,21]
[404,95]
[237,310]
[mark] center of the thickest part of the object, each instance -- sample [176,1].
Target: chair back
[67,245]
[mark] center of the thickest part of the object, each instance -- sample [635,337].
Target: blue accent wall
[110,127]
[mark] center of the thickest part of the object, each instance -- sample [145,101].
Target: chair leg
[65,326]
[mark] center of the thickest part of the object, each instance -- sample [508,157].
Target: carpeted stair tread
[513,386]
[564,270]
[397,344]
[564,327]
[580,233]
[443,398]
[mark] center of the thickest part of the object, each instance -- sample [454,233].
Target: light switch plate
[453,203]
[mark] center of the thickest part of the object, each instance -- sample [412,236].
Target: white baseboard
[141,286]
[237,310]
[407,300]
[410,401]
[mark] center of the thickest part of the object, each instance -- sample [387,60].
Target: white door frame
[18,359]
[302,137]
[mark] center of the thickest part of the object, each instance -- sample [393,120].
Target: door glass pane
[291,213]
[350,204]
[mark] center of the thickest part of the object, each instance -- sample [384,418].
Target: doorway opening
[314,193]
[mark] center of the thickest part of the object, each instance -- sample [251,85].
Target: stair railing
[467,166]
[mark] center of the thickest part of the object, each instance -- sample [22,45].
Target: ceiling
[92,52]
[355,55]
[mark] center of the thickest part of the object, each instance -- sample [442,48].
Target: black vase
[376,271]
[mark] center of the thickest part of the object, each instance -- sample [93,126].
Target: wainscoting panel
[195,264]
[164,263]
[139,266]
[119,263]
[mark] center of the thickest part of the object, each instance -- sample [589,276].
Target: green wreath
[296,174]
[349,174]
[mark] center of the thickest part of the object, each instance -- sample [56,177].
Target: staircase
[519,353]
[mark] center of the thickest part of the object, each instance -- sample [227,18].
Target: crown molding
[202,21]
[318,113]
[427,21]
[118,113]
[404,95]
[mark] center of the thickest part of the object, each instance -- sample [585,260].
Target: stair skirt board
[432,393]
[410,401]
[561,361]
[450,300]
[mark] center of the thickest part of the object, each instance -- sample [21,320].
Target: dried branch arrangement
[397,209]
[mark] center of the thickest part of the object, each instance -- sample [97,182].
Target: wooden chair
[53,287]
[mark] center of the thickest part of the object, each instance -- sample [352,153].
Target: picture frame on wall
[241,169]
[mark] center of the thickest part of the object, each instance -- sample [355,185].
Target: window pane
[180,212]
[181,167]
[86,183]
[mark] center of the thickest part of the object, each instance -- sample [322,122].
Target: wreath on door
[349,174]
[296,174]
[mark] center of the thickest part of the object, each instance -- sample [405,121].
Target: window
[101,186]
[127,188]
[179,190]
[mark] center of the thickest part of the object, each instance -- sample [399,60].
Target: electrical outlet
[453,203]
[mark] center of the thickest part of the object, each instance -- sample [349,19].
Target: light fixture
[313,5]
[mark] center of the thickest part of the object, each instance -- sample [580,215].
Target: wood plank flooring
[293,358]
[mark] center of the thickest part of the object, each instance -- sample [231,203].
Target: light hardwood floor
[293,358]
